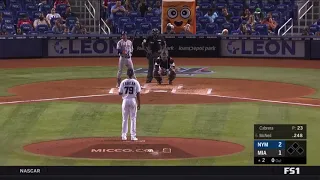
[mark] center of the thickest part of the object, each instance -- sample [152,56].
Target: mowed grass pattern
[26,123]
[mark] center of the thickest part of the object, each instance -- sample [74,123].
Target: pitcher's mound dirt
[224,87]
[144,148]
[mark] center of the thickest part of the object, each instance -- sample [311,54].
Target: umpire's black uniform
[153,45]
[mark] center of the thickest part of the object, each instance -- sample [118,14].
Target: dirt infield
[185,91]
[145,148]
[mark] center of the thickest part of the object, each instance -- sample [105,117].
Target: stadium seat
[198,27]
[288,2]
[145,27]
[12,1]
[148,15]
[228,26]
[220,21]
[35,15]
[26,28]
[219,7]
[199,14]
[222,1]
[204,7]
[274,2]
[154,21]
[61,8]
[318,22]
[314,28]
[236,32]
[7,14]
[2,6]
[268,8]
[9,28]
[118,15]
[255,33]
[133,15]
[70,21]
[203,32]
[29,1]
[236,21]
[121,22]
[203,21]
[276,15]
[139,20]
[206,1]
[7,21]
[217,32]
[31,8]
[42,28]
[129,27]
[158,26]
[15,7]
[262,29]
[252,7]
[237,9]
[21,14]
[46,8]
[33,33]
[238,1]
[211,27]
[283,9]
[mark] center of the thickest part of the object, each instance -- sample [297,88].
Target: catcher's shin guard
[157,75]
[172,75]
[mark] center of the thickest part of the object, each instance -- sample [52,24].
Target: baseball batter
[125,49]
[130,92]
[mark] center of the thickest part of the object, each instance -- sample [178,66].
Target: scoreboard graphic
[280,144]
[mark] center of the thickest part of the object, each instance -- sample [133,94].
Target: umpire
[153,45]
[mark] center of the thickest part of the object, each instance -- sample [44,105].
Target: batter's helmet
[130,72]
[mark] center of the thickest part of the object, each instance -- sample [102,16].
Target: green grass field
[21,124]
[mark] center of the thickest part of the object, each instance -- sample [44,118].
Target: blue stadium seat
[288,2]
[133,15]
[252,7]
[237,9]
[154,21]
[158,26]
[206,1]
[283,9]
[255,33]
[274,2]
[7,21]
[262,29]
[70,21]
[35,15]
[199,14]
[220,21]
[314,28]
[118,15]
[148,15]
[49,32]
[31,8]
[46,8]
[145,27]
[211,27]
[2,6]
[236,20]
[33,33]
[268,8]
[139,20]
[61,8]
[7,14]
[121,22]
[228,26]
[21,14]
[236,32]
[15,7]
[198,27]
[222,1]
[29,1]
[42,28]
[318,22]
[203,32]
[129,27]
[8,28]
[203,21]
[238,1]
[276,15]
[204,7]
[26,28]
[12,2]
[219,7]
[217,32]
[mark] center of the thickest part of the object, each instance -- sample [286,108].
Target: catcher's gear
[172,75]
[155,32]
[156,73]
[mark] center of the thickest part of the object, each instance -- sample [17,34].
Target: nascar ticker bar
[281,151]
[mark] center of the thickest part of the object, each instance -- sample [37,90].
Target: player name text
[266,128]
[265,135]
[128,83]
[30,171]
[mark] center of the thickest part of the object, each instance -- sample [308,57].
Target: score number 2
[280,146]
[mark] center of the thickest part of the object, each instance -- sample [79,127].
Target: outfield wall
[178,45]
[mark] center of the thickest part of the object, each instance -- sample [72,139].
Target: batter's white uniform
[129,89]
[125,60]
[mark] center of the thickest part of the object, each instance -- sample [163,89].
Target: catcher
[164,66]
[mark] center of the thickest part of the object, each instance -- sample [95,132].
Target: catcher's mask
[164,55]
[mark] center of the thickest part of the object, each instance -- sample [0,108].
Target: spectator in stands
[117,7]
[317,33]
[226,14]
[143,7]
[245,15]
[41,4]
[258,15]
[68,14]
[157,8]
[19,32]
[272,24]
[186,29]
[59,28]
[128,6]
[41,20]
[1,18]
[225,32]
[53,14]
[211,14]
[251,21]
[78,29]
[24,20]
[57,2]
[169,29]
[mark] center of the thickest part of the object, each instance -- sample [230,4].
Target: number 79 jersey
[129,88]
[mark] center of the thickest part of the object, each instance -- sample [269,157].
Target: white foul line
[111,91]
[266,100]
[180,86]
[209,91]
[53,99]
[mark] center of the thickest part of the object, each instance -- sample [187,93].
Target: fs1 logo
[84,46]
[291,170]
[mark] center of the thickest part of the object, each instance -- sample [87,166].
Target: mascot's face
[179,14]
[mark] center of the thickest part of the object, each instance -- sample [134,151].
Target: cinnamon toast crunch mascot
[179,13]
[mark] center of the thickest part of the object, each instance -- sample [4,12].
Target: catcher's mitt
[163,72]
